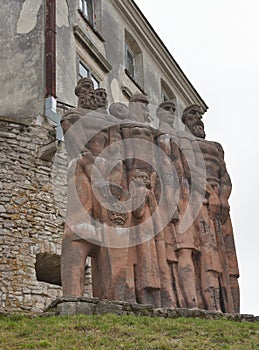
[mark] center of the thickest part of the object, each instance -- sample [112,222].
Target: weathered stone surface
[161,312]
[31,219]
[143,309]
[106,307]
[66,309]
[93,306]
[85,308]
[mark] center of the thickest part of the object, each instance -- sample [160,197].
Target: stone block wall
[29,221]
[32,209]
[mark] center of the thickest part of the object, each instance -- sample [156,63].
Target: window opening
[86,7]
[130,61]
[83,72]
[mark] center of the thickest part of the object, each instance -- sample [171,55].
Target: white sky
[217,46]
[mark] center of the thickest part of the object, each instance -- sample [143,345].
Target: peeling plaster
[62,13]
[28,16]
[115,90]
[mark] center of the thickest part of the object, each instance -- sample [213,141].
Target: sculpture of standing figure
[215,273]
[150,206]
[152,273]
[74,134]
[182,245]
[87,134]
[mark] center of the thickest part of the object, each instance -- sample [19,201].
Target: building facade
[47,45]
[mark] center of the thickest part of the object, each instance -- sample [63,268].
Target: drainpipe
[50,69]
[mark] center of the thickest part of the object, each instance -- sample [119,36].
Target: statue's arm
[225,185]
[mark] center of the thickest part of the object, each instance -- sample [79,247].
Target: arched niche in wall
[166,92]
[133,59]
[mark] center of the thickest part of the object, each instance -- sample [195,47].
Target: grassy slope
[125,332]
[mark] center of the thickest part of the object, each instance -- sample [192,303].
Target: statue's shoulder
[218,145]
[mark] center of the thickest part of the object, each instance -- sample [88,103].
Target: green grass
[125,332]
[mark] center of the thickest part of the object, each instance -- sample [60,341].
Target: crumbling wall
[30,222]
[32,213]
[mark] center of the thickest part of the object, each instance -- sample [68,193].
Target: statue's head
[141,177]
[101,98]
[138,104]
[85,93]
[166,112]
[192,118]
[119,110]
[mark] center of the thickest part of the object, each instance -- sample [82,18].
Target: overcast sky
[216,44]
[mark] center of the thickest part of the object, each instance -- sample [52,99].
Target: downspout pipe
[50,68]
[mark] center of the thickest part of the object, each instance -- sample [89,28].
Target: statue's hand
[214,206]
[224,210]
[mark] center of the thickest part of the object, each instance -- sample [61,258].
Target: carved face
[101,98]
[117,214]
[194,123]
[86,98]
[142,178]
[170,107]
[167,113]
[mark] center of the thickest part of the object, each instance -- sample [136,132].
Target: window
[130,61]
[95,81]
[87,9]
[164,96]
[166,92]
[133,59]
[85,72]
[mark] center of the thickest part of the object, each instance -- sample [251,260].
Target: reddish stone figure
[181,245]
[75,138]
[91,135]
[152,273]
[101,100]
[149,206]
[218,290]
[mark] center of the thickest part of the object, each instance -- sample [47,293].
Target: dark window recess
[130,62]
[48,268]
[85,72]
[166,92]
[164,96]
[87,9]
[133,59]
[135,82]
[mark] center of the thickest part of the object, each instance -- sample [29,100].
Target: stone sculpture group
[148,204]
